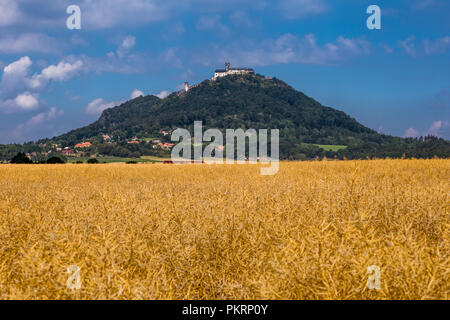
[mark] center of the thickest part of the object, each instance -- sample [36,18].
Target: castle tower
[227,66]
[186,86]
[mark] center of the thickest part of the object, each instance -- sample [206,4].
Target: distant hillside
[307,129]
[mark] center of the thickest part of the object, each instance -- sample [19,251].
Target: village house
[83,145]
[69,152]
[167,146]
[164,146]
[164,132]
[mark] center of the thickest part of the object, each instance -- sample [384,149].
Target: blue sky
[395,80]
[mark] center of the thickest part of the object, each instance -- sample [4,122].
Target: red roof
[83,145]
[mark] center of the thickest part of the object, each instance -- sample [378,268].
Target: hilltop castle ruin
[220,73]
[230,71]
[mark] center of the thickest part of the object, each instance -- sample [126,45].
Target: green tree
[55,160]
[21,158]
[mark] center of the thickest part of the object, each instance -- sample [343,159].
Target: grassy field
[118,159]
[156,159]
[155,231]
[106,159]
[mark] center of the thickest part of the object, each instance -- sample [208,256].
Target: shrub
[92,161]
[55,160]
[21,158]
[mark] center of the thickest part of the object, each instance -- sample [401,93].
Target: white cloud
[242,18]
[14,78]
[411,133]
[136,93]
[286,49]
[9,12]
[97,106]
[408,45]
[26,101]
[36,123]
[297,9]
[438,46]
[107,14]
[111,13]
[137,63]
[15,75]
[19,91]
[22,102]
[212,23]
[103,14]
[127,44]
[163,94]
[14,95]
[172,58]
[19,67]
[122,60]
[436,128]
[63,71]
[44,116]
[29,42]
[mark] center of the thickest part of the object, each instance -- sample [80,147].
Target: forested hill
[230,102]
[307,129]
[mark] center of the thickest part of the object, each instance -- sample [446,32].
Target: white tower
[186,86]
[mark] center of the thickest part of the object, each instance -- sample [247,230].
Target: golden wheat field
[154,231]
